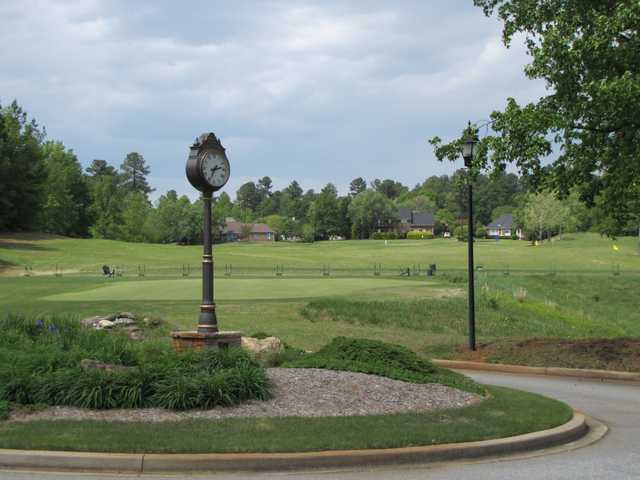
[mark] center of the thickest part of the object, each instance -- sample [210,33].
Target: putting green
[231,289]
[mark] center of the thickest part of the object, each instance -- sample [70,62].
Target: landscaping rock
[152,322]
[259,347]
[127,315]
[102,324]
[123,322]
[90,364]
[136,335]
[91,322]
[111,317]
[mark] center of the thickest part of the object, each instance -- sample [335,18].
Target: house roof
[423,218]
[503,221]
[404,214]
[236,227]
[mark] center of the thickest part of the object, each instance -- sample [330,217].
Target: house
[413,221]
[252,232]
[503,227]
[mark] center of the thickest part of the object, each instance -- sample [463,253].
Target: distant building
[503,227]
[413,221]
[253,232]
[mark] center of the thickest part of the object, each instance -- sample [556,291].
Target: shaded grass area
[622,354]
[379,358]
[41,363]
[506,413]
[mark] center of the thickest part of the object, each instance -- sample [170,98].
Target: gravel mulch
[305,392]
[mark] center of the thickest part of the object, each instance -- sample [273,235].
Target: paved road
[615,457]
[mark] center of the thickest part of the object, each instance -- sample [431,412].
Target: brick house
[253,232]
[413,221]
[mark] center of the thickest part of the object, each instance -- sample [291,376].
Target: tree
[66,194]
[134,217]
[543,212]
[389,188]
[587,53]
[100,167]
[22,169]
[367,210]
[133,174]
[323,213]
[106,208]
[264,187]
[248,196]
[357,185]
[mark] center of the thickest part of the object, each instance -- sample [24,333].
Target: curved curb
[165,463]
[551,371]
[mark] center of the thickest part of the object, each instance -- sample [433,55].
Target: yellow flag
[615,248]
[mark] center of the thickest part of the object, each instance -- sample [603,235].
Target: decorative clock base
[191,339]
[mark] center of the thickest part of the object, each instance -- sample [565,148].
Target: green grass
[506,413]
[571,291]
[579,252]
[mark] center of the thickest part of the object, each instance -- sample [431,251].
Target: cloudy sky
[314,91]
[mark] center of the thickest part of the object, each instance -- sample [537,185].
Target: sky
[316,91]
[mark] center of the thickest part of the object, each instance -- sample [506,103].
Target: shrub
[419,235]
[4,410]
[385,236]
[380,358]
[40,363]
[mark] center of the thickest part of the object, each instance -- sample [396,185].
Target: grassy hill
[579,252]
[570,289]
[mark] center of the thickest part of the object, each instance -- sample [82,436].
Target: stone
[136,335]
[91,322]
[90,364]
[123,322]
[152,322]
[102,324]
[111,317]
[127,315]
[260,347]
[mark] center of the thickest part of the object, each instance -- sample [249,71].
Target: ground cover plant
[41,363]
[384,359]
[506,413]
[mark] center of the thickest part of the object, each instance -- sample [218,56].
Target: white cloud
[322,91]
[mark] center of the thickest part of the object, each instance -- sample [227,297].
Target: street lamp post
[467,154]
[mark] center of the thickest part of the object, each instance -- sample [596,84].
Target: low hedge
[419,235]
[40,364]
[386,236]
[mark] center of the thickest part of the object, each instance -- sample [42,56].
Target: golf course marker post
[208,171]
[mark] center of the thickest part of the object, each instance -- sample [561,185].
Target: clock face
[215,169]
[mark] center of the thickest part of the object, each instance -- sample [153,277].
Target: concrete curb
[166,463]
[551,371]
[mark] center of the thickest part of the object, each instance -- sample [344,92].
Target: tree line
[44,188]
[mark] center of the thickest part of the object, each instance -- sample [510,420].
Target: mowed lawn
[580,252]
[234,289]
[566,289]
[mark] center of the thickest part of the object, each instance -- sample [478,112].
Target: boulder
[91,322]
[152,322]
[123,322]
[111,317]
[260,347]
[127,315]
[102,324]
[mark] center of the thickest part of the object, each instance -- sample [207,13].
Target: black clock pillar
[208,322]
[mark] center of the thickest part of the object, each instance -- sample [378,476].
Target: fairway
[231,289]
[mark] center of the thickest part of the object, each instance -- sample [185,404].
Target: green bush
[385,236]
[419,235]
[380,358]
[4,410]
[40,363]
